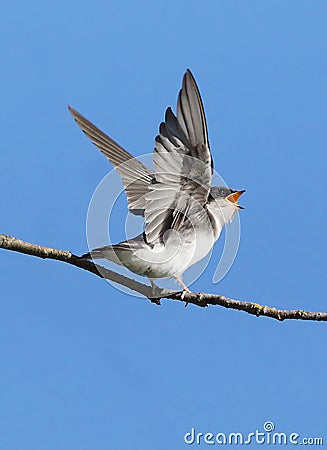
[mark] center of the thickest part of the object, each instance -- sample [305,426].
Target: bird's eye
[222,192]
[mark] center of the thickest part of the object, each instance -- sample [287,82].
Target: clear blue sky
[83,366]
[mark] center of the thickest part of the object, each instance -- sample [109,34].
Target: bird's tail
[94,254]
[106,252]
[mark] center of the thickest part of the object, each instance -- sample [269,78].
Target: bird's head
[224,201]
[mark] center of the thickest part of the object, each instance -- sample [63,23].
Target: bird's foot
[185,288]
[155,296]
[185,291]
[181,283]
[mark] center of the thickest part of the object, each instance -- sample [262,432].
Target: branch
[196,298]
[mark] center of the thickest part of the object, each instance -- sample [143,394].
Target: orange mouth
[233,198]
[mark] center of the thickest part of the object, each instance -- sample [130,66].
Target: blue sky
[84,366]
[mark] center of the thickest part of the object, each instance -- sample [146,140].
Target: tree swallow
[183,214]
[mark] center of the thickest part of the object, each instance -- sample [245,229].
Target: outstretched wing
[183,165]
[135,176]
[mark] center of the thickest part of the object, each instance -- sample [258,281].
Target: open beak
[234,196]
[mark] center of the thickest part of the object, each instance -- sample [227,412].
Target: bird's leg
[153,284]
[185,288]
[155,288]
[155,297]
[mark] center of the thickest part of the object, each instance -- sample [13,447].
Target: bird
[183,214]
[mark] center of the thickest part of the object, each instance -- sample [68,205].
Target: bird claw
[156,291]
[156,301]
[185,291]
[185,288]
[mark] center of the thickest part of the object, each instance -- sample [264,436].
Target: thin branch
[198,299]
